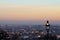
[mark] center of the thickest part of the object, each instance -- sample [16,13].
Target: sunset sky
[29,10]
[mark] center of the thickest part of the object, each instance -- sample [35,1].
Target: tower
[47,26]
[49,36]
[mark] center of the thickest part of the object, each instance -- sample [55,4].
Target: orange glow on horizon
[29,13]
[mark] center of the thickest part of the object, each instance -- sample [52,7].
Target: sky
[29,11]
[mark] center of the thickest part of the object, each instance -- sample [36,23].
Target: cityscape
[29,32]
[29,19]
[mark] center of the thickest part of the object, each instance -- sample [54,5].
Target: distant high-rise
[49,36]
[47,26]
